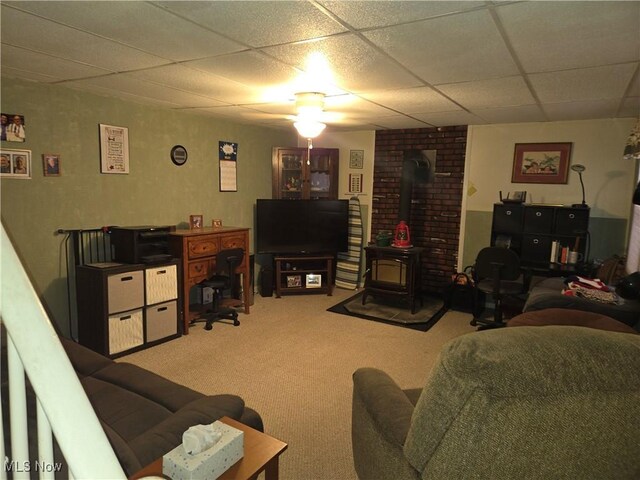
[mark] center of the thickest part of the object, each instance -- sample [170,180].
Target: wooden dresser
[197,251]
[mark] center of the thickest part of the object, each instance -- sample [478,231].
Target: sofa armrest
[381,418]
[388,407]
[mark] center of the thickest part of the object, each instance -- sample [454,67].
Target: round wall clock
[179,155]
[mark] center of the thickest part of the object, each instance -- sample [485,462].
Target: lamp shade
[309,128]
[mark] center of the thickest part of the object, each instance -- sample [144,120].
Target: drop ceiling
[387,65]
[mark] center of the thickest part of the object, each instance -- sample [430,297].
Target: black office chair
[226,263]
[496,270]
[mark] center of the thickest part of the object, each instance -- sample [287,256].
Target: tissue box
[209,464]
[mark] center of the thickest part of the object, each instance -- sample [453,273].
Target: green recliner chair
[553,402]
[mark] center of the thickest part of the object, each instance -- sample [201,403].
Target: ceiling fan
[310,107]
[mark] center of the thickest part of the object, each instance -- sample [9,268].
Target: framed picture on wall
[51,164]
[15,164]
[114,149]
[13,128]
[356,158]
[355,183]
[541,163]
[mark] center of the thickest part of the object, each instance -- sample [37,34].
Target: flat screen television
[302,226]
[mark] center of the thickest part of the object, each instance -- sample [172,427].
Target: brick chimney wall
[435,206]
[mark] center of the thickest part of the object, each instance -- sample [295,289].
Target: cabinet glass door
[320,175]
[291,175]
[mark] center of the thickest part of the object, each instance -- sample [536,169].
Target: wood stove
[393,272]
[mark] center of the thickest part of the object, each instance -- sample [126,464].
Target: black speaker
[266,281]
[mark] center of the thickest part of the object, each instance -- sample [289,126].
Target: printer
[143,244]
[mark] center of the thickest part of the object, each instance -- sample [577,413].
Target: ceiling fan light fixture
[309,106]
[309,128]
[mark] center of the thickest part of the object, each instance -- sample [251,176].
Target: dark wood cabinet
[297,175]
[530,230]
[304,274]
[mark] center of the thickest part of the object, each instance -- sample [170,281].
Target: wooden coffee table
[261,453]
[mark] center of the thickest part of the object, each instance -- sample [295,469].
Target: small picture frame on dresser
[216,223]
[195,222]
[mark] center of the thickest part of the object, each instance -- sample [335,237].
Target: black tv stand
[310,273]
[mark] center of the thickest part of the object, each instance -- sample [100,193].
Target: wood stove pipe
[416,168]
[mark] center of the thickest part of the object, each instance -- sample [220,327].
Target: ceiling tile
[630,107]
[445,119]
[448,49]
[500,92]
[524,113]
[109,92]
[200,83]
[365,14]
[634,91]
[164,35]
[582,84]
[585,110]
[269,77]
[126,83]
[563,35]
[258,23]
[33,33]
[53,67]
[397,121]
[360,108]
[352,64]
[27,75]
[412,100]
[227,56]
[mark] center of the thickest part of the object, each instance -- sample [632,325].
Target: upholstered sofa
[548,294]
[144,414]
[555,402]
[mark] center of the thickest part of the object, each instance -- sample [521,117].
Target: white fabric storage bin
[125,331]
[125,291]
[161,320]
[161,284]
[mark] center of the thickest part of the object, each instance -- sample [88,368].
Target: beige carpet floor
[292,361]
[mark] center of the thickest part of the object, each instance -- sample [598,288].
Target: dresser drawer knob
[572,215]
[508,212]
[538,214]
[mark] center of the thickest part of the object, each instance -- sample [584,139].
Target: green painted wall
[155,192]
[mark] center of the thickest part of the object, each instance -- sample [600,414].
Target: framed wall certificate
[114,149]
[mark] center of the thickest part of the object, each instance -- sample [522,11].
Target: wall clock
[179,155]
[356,159]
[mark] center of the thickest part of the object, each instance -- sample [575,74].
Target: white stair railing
[63,408]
